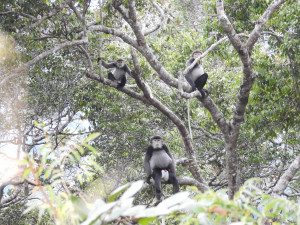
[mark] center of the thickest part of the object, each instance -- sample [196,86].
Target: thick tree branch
[10,198]
[185,180]
[125,90]
[20,13]
[231,132]
[229,30]
[287,177]
[114,32]
[136,73]
[260,25]
[192,182]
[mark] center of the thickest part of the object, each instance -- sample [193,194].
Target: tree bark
[232,130]
[287,177]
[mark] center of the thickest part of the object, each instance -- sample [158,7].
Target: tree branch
[114,32]
[53,12]
[161,16]
[233,129]
[18,72]
[260,25]
[287,177]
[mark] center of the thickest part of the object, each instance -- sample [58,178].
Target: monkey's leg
[200,82]
[157,179]
[123,82]
[111,76]
[173,180]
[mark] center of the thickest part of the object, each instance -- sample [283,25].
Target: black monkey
[118,73]
[196,76]
[158,159]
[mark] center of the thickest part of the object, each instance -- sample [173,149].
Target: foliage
[15,215]
[60,169]
[250,206]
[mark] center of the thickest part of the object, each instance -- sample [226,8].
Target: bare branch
[185,180]
[161,16]
[229,30]
[100,42]
[10,198]
[53,12]
[114,85]
[114,32]
[192,182]
[207,134]
[135,73]
[287,176]
[20,13]
[91,67]
[260,25]
[277,36]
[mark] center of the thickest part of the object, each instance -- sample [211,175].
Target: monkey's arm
[127,70]
[172,166]
[147,165]
[107,65]
[189,62]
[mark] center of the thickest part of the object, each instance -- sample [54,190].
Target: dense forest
[73,141]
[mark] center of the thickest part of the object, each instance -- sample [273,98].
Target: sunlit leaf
[92,137]
[146,221]
[117,192]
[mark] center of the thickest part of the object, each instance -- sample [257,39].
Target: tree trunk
[231,166]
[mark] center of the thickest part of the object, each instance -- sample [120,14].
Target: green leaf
[47,174]
[77,155]
[26,172]
[145,221]
[92,137]
[80,149]
[51,193]
[253,210]
[91,148]
[117,192]
[96,165]
[79,177]
[40,170]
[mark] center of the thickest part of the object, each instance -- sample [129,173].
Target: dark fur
[155,171]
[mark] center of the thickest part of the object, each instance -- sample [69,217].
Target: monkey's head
[120,63]
[156,142]
[196,54]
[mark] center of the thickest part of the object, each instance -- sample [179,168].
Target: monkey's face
[196,54]
[120,63]
[157,143]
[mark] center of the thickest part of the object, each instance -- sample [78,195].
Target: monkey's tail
[189,120]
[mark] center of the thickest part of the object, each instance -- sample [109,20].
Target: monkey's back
[160,159]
